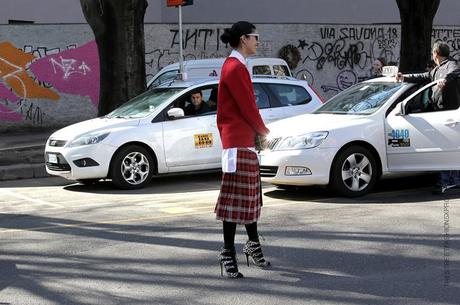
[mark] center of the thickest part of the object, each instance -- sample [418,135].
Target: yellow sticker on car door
[203,140]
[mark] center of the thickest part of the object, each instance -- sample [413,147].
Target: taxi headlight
[89,138]
[309,140]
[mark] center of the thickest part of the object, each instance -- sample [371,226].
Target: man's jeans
[449,178]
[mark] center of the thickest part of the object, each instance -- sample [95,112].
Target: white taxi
[150,134]
[373,129]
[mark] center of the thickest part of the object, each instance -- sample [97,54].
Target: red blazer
[238,117]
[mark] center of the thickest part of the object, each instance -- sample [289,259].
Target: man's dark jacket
[447,98]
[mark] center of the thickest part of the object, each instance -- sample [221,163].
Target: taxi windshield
[144,104]
[361,99]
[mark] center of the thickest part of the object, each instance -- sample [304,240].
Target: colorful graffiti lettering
[74,71]
[13,72]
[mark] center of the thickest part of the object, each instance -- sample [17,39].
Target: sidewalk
[21,154]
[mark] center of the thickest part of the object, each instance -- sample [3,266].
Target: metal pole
[181,64]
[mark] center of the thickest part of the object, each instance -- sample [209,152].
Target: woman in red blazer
[239,122]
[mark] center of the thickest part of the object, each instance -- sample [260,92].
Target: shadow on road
[159,185]
[312,273]
[389,191]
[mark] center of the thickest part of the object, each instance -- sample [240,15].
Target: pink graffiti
[7,114]
[6,94]
[74,71]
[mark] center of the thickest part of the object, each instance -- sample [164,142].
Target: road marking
[175,212]
[30,200]
[92,223]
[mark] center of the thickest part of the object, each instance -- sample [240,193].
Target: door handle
[451,123]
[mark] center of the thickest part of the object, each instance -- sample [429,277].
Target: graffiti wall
[49,74]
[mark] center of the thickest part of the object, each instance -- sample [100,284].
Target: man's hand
[261,142]
[441,83]
[399,77]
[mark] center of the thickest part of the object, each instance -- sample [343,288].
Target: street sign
[179,4]
[170,3]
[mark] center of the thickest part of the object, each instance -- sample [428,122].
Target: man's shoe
[442,189]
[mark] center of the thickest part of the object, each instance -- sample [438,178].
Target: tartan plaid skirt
[240,198]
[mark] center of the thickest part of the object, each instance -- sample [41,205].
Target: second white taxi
[373,129]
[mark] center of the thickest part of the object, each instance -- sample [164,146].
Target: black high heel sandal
[254,250]
[228,262]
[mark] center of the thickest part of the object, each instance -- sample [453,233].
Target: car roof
[196,62]
[220,61]
[387,79]
[214,80]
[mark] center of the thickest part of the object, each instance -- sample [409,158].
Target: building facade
[49,71]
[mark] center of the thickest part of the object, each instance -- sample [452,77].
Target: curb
[23,171]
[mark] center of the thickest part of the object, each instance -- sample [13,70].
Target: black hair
[382,60]
[232,35]
[441,48]
[195,91]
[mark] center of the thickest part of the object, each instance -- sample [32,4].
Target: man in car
[445,96]
[197,105]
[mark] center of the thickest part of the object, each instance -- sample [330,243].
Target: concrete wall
[223,11]
[49,75]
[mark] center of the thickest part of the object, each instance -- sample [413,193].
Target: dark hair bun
[232,35]
[226,36]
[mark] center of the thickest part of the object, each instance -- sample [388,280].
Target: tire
[354,172]
[88,181]
[132,167]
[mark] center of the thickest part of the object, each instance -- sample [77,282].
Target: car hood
[313,122]
[93,125]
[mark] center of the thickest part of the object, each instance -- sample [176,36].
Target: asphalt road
[64,243]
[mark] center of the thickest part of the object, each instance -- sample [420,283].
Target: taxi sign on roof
[390,70]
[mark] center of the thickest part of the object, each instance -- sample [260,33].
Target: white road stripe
[29,199]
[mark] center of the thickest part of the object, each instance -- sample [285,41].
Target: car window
[290,95]
[209,100]
[167,76]
[281,70]
[422,102]
[261,96]
[261,70]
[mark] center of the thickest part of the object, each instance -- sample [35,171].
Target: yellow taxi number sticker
[203,140]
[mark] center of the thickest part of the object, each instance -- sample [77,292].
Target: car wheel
[354,172]
[88,181]
[132,167]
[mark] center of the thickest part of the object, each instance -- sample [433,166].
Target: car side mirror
[176,113]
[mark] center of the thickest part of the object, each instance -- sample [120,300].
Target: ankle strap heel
[228,263]
[253,249]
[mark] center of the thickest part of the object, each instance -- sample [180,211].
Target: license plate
[52,158]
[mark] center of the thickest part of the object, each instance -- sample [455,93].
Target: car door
[421,138]
[192,142]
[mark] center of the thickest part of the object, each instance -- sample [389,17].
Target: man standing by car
[445,96]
